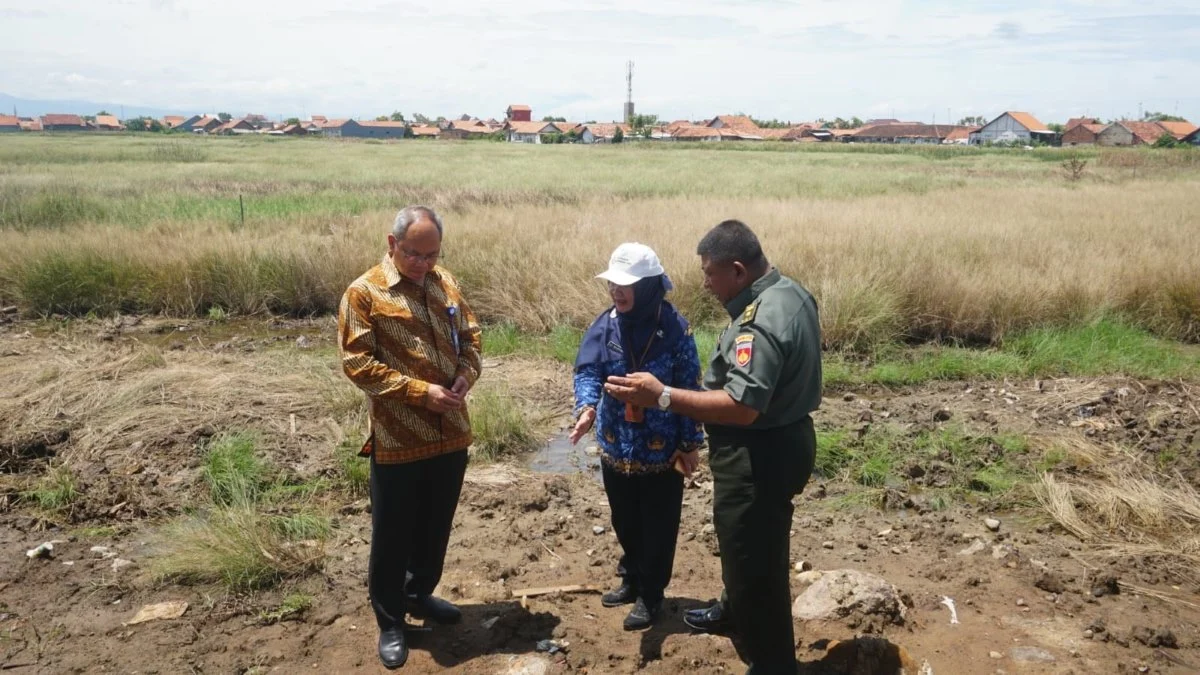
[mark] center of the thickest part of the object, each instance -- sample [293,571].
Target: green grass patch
[498,424]
[293,607]
[54,492]
[354,471]
[233,471]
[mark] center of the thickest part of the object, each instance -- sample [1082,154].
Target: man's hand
[461,386]
[641,389]
[442,400]
[586,419]
[689,460]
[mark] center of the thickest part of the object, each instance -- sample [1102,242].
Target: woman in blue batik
[645,452]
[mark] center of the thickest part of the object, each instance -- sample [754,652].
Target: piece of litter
[163,610]
[949,602]
[552,646]
[43,550]
[490,622]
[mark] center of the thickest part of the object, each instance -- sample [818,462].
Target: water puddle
[559,456]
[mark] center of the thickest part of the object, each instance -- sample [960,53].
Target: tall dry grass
[940,244]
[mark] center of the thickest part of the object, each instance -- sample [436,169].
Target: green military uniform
[769,358]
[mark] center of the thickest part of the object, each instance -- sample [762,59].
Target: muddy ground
[129,404]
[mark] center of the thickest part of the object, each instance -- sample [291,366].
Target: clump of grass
[1103,347]
[217,313]
[292,607]
[55,492]
[240,539]
[233,471]
[354,471]
[498,424]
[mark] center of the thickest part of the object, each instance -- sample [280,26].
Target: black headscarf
[627,334]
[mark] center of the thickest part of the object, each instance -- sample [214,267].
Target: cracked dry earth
[1030,595]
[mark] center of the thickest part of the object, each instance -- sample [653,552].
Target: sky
[926,60]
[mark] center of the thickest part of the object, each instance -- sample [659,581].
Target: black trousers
[412,509]
[645,516]
[755,475]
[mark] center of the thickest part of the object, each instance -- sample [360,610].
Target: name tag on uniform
[744,350]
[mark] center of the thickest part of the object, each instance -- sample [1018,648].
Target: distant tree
[618,136]
[397,116]
[972,121]
[421,119]
[383,118]
[640,122]
[154,125]
[855,122]
[135,124]
[590,122]
[572,136]
[554,119]
[440,119]
[89,118]
[292,121]
[1161,117]
[1166,141]
[1056,128]
[103,112]
[770,124]
[224,117]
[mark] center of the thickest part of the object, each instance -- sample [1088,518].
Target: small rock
[597,529]
[120,563]
[1106,585]
[884,533]
[803,566]
[896,550]
[1050,583]
[1163,637]
[1021,602]
[992,524]
[1141,634]
[1088,634]
[996,655]
[827,544]
[842,593]
[303,342]
[1030,655]
[974,548]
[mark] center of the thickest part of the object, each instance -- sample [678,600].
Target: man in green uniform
[762,384]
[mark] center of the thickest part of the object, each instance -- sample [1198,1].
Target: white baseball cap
[632,262]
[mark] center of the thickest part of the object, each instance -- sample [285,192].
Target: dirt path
[1023,593]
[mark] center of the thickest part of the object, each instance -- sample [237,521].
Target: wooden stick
[547,590]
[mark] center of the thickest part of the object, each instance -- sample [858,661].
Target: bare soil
[1024,600]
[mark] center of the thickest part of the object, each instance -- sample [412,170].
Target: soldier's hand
[442,400]
[642,389]
[586,419]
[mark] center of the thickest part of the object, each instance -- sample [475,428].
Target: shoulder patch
[743,349]
[748,315]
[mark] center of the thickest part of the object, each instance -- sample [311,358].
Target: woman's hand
[687,460]
[586,419]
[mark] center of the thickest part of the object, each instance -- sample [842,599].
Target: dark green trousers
[755,475]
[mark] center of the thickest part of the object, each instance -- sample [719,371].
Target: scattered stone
[866,416]
[303,342]
[992,524]
[1050,583]
[1030,655]
[974,548]
[803,566]
[120,563]
[528,664]
[45,551]
[1141,634]
[849,396]
[827,544]
[1088,634]
[941,415]
[552,647]
[840,593]
[1163,637]
[597,529]
[163,610]
[896,550]
[1021,602]
[1105,585]
[996,655]
[884,533]
[1001,551]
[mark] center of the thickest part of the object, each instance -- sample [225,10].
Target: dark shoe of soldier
[393,650]
[429,607]
[642,615]
[621,595]
[712,619]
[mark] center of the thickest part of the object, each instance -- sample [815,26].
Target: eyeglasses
[414,257]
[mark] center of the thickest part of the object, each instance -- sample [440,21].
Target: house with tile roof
[1127,133]
[736,122]
[1180,130]
[1012,127]
[9,124]
[603,133]
[1081,133]
[109,123]
[518,112]
[55,122]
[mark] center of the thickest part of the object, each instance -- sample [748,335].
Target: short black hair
[732,241]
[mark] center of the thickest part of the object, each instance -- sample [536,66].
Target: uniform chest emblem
[744,350]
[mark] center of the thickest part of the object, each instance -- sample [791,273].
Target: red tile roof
[9,121]
[1146,132]
[172,121]
[330,124]
[423,130]
[603,130]
[1179,130]
[529,127]
[62,120]
[518,107]
[1076,121]
[469,125]
[31,125]
[742,122]
[108,121]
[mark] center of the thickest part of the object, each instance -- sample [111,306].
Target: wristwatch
[664,399]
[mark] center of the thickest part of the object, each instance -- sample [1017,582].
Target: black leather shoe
[712,619]
[393,650]
[621,595]
[429,607]
[642,615]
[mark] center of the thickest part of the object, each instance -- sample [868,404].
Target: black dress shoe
[393,650]
[642,615]
[712,619]
[621,595]
[429,607]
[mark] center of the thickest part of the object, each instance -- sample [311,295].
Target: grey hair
[411,214]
